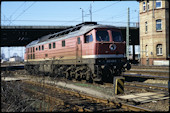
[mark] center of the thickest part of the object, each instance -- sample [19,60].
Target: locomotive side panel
[88,44]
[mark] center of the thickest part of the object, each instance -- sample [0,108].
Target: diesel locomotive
[88,51]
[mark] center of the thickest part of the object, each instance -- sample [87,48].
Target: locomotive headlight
[112,47]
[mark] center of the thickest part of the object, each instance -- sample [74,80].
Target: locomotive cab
[110,54]
[109,42]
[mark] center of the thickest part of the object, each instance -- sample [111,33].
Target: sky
[63,13]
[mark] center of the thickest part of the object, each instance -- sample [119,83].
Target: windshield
[116,36]
[102,36]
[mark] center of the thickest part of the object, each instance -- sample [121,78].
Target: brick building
[154,32]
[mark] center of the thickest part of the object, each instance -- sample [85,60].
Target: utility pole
[127,36]
[0,12]
[139,57]
[9,52]
[90,13]
[82,15]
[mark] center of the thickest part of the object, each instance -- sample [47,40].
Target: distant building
[154,32]
[2,56]
[137,52]
[15,59]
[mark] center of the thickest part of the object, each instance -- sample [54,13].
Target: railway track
[109,85]
[150,70]
[151,67]
[76,101]
[134,75]
[135,85]
[146,86]
[139,85]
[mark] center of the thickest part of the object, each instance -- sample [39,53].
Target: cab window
[78,40]
[102,36]
[88,38]
[42,47]
[49,46]
[63,43]
[116,36]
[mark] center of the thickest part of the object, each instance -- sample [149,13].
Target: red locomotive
[87,51]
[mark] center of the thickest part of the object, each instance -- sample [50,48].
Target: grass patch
[81,84]
[87,85]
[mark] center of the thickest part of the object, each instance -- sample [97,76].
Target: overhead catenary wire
[17,9]
[97,10]
[75,20]
[78,17]
[7,19]
[105,7]
[113,16]
[55,21]
[23,12]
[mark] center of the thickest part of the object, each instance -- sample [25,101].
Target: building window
[144,6]
[158,25]
[49,46]
[146,27]
[147,5]
[33,49]
[63,43]
[39,48]
[36,48]
[159,49]
[78,40]
[146,50]
[158,3]
[54,45]
[42,47]
[88,38]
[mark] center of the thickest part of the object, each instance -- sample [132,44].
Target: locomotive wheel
[88,76]
[68,75]
[56,72]
[30,71]
[36,70]
[72,74]
[89,79]
[77,77]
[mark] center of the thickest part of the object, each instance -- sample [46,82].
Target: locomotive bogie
[96,69]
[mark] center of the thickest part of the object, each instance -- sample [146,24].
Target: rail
[145,85]
[145,76]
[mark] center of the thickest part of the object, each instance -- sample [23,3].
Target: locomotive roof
[68,33]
